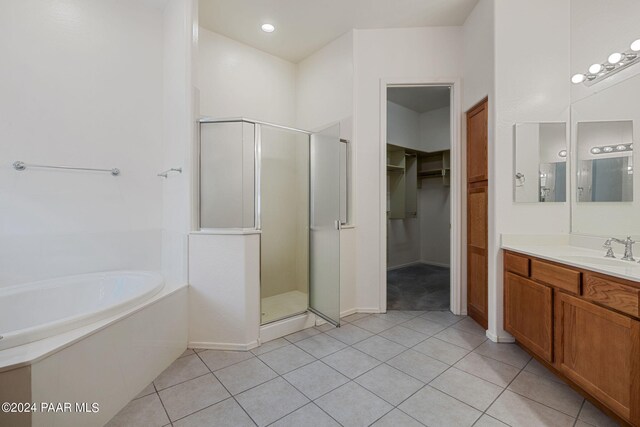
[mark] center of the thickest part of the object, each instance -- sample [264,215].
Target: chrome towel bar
[20,166]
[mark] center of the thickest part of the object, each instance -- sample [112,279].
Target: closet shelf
[395,168]
[434,173]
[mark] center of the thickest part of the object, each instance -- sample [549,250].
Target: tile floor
[404,368]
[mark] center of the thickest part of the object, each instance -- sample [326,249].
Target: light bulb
[607,149]
[268,28]
[621,147]
[562,153]
[614,58]
[635,46]
[596,150]
[595,68]
[577,78]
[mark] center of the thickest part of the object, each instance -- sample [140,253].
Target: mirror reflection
[605,161]
[540,162]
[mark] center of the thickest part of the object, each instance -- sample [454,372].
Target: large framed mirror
[604,187]
[540,162]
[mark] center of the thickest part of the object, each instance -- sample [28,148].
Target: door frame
[458,269]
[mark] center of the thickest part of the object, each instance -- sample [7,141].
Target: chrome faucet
[607,245]
[628,248]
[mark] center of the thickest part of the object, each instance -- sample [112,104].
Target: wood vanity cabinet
[584,326]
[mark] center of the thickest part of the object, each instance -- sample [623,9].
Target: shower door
[324,234]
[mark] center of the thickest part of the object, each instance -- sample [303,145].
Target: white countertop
[565,250]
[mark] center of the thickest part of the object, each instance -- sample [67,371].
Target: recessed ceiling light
[268,28]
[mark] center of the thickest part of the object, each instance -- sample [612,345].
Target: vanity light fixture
[595,68]
[268,28]
[606,149]
[615,58]
[617,61]
[578,78]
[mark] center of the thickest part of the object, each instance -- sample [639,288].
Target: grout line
[544,404]
[500,394]
[580,411]
[165,409]
[181,382]
[227,390]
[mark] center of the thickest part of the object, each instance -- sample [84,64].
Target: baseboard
[374,310]
[500,338]
[223,346]
[395,267]
[288,326]
[435,264]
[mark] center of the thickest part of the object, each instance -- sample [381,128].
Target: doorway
[419,139]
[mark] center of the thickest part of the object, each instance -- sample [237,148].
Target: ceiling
[420,99]
[304,26]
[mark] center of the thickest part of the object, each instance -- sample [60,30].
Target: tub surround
[579,251]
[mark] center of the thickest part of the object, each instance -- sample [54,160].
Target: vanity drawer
[560,277]
[517,264]
[610,293]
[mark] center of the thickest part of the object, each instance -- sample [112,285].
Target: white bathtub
[98,337]
[34,311]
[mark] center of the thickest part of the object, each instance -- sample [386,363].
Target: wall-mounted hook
[165,174]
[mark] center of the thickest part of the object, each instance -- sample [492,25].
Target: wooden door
[528,314]
[598,350]
[477,215]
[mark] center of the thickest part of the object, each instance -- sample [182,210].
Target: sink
[601,261]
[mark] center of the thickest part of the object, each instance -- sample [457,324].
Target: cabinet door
[477,142]
[528,314]
[477,237]
[599,351]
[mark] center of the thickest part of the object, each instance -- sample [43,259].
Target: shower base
[283,305]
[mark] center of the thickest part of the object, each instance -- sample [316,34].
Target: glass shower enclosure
[286,184]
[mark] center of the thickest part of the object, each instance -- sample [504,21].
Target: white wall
[324,85]
[416,53]
[434,210]
[237,80]
[179,112]
[403,127]
[435,129]
[81,85]
[403,235]
[479,57]
[524,93]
